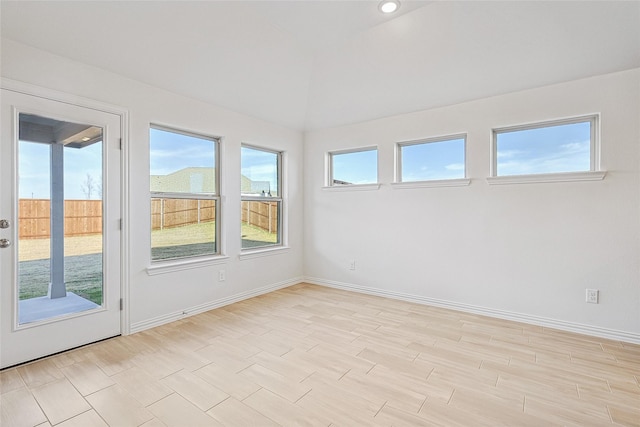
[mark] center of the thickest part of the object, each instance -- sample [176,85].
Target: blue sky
[551,149]
[259,165]
[563,148]
[420,162]
[358,167]
[34,170]
[433,160]
[170,152]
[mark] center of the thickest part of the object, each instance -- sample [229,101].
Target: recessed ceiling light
[388,6]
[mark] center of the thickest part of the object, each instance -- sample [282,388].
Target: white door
[59,226]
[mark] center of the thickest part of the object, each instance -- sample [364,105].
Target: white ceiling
[315,64]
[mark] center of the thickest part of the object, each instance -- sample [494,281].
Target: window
[431,159]
[261,195]
[185,199]
[546,148]
[353,167]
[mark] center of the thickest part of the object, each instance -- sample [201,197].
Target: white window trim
[594,174]
[282,198]
[262,252]
[353,187]
[328,179]
[172,265]
[452,182]
[168,265]
[547,177]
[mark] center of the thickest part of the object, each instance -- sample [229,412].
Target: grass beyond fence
[82,276]
[84,217]
[83,260]
[176,223]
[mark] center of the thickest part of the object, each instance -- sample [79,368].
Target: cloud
[576,147]
[508,154]
[563,161]
[455,167]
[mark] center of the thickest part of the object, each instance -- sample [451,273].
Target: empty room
[320,213]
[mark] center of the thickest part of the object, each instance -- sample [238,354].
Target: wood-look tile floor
[314,356]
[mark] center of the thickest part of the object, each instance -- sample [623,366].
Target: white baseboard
[594,331]
[191,311]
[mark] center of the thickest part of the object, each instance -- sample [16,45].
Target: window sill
[353,187]
[458,182]
[257,253]
[163,267]
[547,177]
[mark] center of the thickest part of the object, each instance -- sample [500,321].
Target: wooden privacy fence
[171,213]
[81,217]
[84,217]
[261,214]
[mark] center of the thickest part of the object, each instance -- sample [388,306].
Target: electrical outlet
[352,265]
[592,296]
[222,276]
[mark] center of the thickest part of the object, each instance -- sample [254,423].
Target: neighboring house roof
[200,180]
[187,180]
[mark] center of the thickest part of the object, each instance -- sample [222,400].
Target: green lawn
[83,276]
[205,232]
[253,236]
[83,273]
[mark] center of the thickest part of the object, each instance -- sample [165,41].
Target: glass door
[60,266]
[59,218]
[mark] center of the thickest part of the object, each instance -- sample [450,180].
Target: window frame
[438,182]
[594,173]
[178,263]
[280,198]
[329,181]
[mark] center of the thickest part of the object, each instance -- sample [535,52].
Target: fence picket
[84,217]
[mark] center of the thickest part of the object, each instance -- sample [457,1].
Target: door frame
[123,113]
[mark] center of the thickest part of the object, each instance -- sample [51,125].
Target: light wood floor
[309,355]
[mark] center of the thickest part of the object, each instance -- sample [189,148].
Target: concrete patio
[41,308]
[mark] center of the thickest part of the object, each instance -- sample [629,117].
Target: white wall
[523,251]
[163,297]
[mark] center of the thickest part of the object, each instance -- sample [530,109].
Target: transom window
[261,197]
[545,148]
[352,167]
[185,199]
[431,159]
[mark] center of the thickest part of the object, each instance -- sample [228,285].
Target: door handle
[4,223]
[5,243]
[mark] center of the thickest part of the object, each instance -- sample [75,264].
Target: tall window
[261,195]
[431,159]
[185,198]
[543,148]
[353,167]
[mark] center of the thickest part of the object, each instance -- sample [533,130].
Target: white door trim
[123,113]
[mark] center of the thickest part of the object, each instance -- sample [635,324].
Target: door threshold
[28,362]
